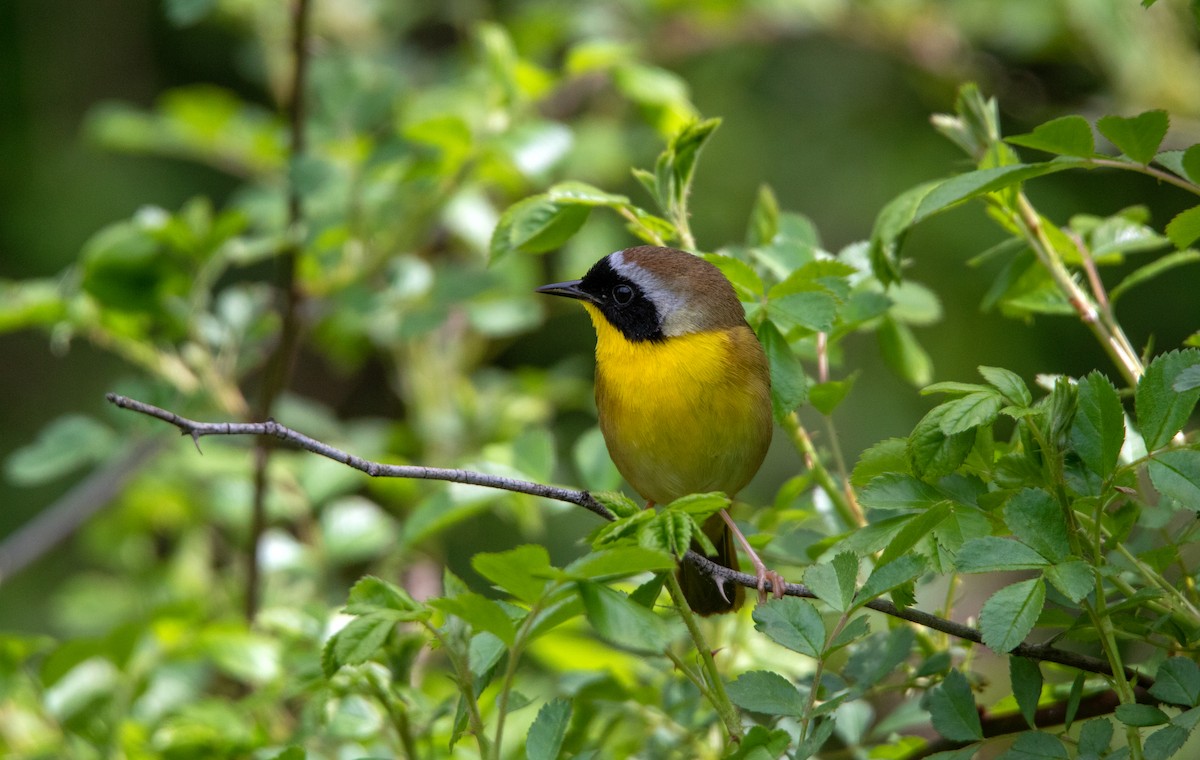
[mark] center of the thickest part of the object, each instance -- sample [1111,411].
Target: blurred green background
[827,101]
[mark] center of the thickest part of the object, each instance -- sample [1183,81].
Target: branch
[584,499]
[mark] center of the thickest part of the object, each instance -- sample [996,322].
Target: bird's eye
[622,294]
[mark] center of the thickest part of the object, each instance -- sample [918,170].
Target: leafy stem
[466,687]
[843,501]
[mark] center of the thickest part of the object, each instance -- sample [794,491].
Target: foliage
[421,201]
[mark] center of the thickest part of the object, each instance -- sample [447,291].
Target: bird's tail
[708,594]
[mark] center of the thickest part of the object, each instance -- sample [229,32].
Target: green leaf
[1147,272]
[1068,135]
[61,447]
[903,353]
[517,570]
[357,642]
[746,282]
[952,707]
[1191,163]
[788,386]
[970,412]
[918,528]
[1177,682]
[1026,678]
[834,582]
[621,621]
[1176,474]
[1036,519]
[826,397]
[1095,737]
[1187,380]
[1137,137]
[895,491]
[886,457]
[763,691]
[1009,383]
[760,743]
[1165,742]
[545,737]
[992,554]
[618,503]
[668,532]
[1184,229]
[583,194]
[885,578]
[1009,615]
[1140,715]
[933,454]
[1074,579]
[618,562]
[1036,745]
[764,218]
[371,594]
[1162,411]
[793,623]
[480,613]
[1098,431]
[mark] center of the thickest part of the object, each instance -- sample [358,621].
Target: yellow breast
[688,414]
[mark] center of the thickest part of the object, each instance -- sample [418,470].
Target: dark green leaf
[887,456]
[1095,737]
[621,621]
[1176,474]
[1162,411]
[1137,137]
[1036,519]
[1026,678]
[1069,135]
[918,528]
[1035,745]
[895,491]
[793,623]
[618,562]
[834,582]
[1098,431]
[763,691]
[1177,682]
[813,309]
[521,571]
[760,743]
[970,412]
[788,386]
[540,224]
[1074,579]
[545,737]
[480,613]
[669,532]
[1184,229]
[1164,743]
[1187,380]
[992,554]
[1141,715]
[1191,163]
[885,578]
[931,452]
[746,282]
[1009,383]
[1008,616]
[826,397]
[952,707]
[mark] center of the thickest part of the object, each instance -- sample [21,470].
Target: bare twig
[584,499]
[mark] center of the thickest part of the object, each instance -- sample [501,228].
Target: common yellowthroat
[683,392]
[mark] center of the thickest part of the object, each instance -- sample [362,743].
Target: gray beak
[569,289]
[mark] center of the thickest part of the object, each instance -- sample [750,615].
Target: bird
[683,394]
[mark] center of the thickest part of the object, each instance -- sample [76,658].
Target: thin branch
[196,430]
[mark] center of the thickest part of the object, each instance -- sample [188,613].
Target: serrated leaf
[970,412]
[834,582]
[1036,745]
[792,623]
[763,691]
[517,570]
[746,282]
[1161,410]
[617,503]
[1176,474]
[952,708]
[895,491]
[1140,715]
[1095,737]
[1165,742]
[1009,383]
[918,528]
[1009,615]
[1137,137]
[1074,579]
[885,578]
[618,562]
[1068,135]
[480,613]
[813,309]
[1177,682]
[1098,431]
[1026,679]
[788,386]
[933,454]
[371,594]
[1187,379]
[1184,229]
[357,642]
[887,456]
[1036,519]
[992,554]
[621,621]
[667,531]
[545,737]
